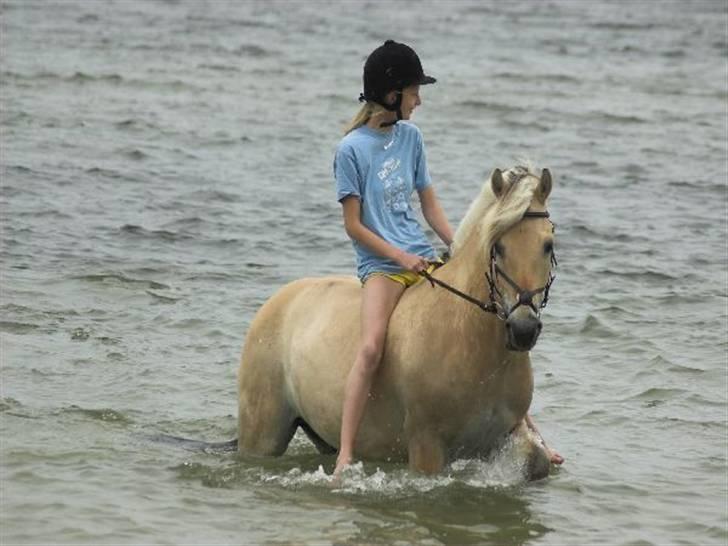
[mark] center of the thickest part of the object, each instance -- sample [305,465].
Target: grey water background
[166,166]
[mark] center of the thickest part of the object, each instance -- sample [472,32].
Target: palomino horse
[453,382]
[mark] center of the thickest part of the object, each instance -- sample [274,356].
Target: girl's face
[410,100]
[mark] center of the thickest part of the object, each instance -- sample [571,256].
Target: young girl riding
[378,166]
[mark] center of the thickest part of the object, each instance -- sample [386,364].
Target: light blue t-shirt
[383,169]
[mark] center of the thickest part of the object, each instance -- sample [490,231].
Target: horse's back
[290,311]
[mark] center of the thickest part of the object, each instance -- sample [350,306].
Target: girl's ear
[391,97]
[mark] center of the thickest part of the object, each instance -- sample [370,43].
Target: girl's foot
[341,463]
[554,456]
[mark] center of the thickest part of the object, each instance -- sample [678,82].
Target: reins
[488,307]
[525,297]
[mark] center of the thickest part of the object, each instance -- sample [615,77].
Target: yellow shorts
[404,277]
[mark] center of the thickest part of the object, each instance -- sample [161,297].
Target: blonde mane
[489,216]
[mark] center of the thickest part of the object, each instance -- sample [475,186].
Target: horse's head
[521,247]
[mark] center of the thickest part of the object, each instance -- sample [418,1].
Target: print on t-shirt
[395,188]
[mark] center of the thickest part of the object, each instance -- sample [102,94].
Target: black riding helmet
[392,67]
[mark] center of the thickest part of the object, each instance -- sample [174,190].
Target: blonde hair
[490,216]
[365,113]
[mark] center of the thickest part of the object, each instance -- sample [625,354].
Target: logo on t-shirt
[388,167]
[395,187]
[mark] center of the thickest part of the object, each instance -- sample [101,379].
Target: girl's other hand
[412,262]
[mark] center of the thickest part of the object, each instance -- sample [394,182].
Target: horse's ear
[544,188]
[496,182]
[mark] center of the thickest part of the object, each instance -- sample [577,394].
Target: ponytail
[362,117]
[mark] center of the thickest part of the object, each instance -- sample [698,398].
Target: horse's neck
[470,342]
[465,272]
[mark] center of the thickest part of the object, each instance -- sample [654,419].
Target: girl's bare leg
[554,455]
[379,298]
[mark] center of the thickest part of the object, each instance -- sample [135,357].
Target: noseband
[496,304]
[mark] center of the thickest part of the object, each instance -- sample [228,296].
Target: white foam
[503,469]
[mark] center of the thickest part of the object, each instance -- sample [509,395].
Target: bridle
[496,304]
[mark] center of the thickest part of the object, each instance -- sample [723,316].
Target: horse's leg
[538,463]
[426,453]
[265,427]
[266,421]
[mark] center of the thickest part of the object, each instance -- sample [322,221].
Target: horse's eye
[548,247]
[500,250]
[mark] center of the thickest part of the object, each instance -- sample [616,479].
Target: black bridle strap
[536,214]
[524,297]
[489,307]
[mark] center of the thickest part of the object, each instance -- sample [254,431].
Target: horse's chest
[482,429]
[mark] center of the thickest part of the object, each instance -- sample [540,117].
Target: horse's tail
[196,445]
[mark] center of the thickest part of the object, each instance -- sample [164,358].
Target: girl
[378,165]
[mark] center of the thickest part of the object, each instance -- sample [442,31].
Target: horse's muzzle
[522,332]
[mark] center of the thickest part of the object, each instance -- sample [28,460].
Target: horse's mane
[490,216]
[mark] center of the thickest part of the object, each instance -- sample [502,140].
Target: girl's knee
[370,355]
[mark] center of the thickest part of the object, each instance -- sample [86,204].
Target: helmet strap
[397,106]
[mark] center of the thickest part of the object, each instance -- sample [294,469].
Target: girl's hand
[412,262]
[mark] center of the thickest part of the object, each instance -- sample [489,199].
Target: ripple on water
[9,404]
[593,327]
[120,279]
[656,396]
[18,328]
[160,234]
[106,415]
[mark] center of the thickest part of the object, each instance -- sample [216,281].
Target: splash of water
[504,468]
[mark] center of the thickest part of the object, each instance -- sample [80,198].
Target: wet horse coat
[448,385]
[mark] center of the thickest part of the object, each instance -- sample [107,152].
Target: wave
[109,173]
[490,106]
[658,395]
[684,369]
[163,299]
[608,25]
[102,278]
[594,327]
[531,77]
[135,125]
[161,234]
[218,67]
[654,367]
[134,154]
[214,195]
[84,78]
[214,23]
[7,404]
[648,275]
[102,414]
[88,18]
[608,117]
[18,328]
